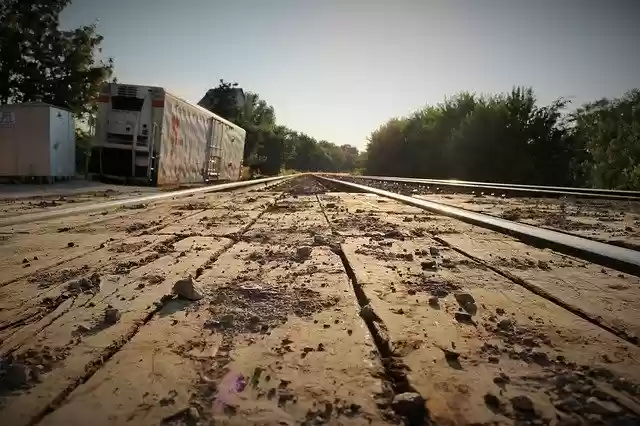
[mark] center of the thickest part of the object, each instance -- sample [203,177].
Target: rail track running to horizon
[321,299]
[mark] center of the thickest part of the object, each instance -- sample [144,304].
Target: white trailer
[144,133]
[37,141]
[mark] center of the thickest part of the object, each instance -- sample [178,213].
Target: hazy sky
[337,69]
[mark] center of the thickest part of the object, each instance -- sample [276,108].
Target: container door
[151,167]
[214,152]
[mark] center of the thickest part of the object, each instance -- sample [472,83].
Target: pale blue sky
[337,69]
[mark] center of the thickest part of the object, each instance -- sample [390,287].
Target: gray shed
[36,140]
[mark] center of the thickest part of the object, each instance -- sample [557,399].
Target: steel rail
[52,214]
[518,188]
[619,258]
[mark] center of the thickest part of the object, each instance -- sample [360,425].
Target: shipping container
[37,140]
[145,134]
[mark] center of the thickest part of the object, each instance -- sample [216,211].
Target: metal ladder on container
[214,153]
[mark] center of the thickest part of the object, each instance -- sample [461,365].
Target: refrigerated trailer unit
[145,134]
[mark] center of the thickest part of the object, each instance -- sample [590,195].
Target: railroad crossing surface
[304,302]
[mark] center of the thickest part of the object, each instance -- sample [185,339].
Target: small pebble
[193,413]
[522,403]
[409,404]
[111,315]
[492,401]
[462,316]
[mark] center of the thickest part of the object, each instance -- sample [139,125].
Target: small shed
[37,140]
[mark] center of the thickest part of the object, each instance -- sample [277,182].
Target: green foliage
[510,138]
[270,147]
[39,62]
[610,132]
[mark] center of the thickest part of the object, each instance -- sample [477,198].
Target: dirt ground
[297,305]
[18,199]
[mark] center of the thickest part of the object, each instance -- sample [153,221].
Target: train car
[143,134]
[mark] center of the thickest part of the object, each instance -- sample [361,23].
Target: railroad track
[324,302]
[504,188]
[614,221]
[621,258]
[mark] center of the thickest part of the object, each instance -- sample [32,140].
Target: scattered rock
[227,320]
[462,316]
[568,405]
[15,376]
[522,403]
[501,379]
[111,315]
[81,328]
[368,314]
[466,302]
[212,324]
[494,360]
[447,263]
[429,265]
[394,234]
[597,406]
[450,355]
[505,324]
[492,401]
[193,413]
[71,244]
[540,358]
[409,404]
[434,302]
[186,288]
[434,251]
[319,240]
[499,311]
[25,260]
[199,271]
[85,285]
[303,253]
[543,265]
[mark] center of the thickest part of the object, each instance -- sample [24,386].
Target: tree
[270,147]
[350,156]
[609,133]
[224,100]
[503,137]
[40,62]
